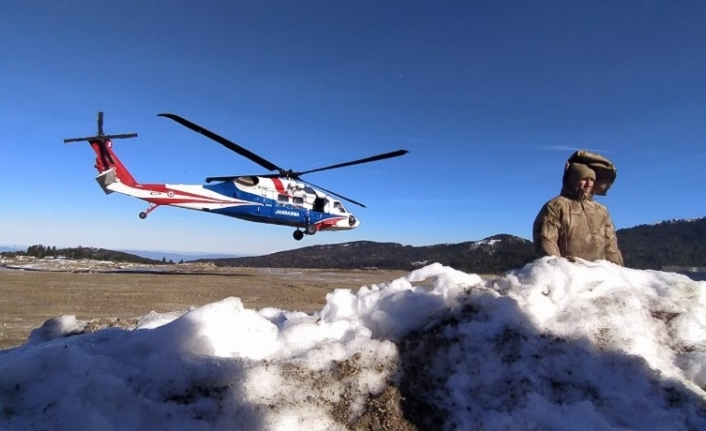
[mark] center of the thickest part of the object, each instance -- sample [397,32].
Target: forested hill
[42,251]
[671,243]
[493,254]
[680,243]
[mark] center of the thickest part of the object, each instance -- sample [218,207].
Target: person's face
[586,186]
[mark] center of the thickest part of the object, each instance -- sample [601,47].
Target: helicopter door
[320,204]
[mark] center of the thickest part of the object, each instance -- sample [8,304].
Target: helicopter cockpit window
[298,200]
[338,207]
[282,198]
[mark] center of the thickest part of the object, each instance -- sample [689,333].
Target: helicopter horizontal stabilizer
[105,179]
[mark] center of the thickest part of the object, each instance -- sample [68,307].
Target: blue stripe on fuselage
[264,210]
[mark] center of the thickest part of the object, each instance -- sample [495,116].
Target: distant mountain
[675,243]
[671,243]
[179,256]
[13,248]
[491,255]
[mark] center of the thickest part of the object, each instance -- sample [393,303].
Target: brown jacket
[575,228]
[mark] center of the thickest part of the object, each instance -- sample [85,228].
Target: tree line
[41,251]
[667,244]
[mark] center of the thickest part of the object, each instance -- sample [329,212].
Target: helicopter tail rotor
[101,137]
[107,162]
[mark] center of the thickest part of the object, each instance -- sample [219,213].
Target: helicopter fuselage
[277,201]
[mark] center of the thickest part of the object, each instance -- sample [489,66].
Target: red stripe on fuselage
[183,195]
[279,186]
[326,223]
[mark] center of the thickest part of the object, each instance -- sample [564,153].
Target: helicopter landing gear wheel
[153,206]
[310,229]
[298,235]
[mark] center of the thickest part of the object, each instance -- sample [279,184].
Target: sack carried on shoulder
[604,169]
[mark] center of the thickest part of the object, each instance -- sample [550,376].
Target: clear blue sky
[490,98]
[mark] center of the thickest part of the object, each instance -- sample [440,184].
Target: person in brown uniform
[573,224]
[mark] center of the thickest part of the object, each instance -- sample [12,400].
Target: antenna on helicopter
[101,137]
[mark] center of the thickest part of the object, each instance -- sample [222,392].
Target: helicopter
[279,197]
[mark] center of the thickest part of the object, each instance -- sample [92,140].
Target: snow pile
[552,346]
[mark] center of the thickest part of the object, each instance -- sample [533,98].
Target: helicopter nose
[352,221]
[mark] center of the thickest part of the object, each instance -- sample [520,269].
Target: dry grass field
[30,297]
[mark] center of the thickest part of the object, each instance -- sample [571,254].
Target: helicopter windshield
[338,207]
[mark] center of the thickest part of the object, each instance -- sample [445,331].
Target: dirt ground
[30,297]
[110,295]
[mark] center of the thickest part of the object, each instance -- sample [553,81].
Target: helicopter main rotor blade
[355,162]
[100,123]
[336,194]
[225,142]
